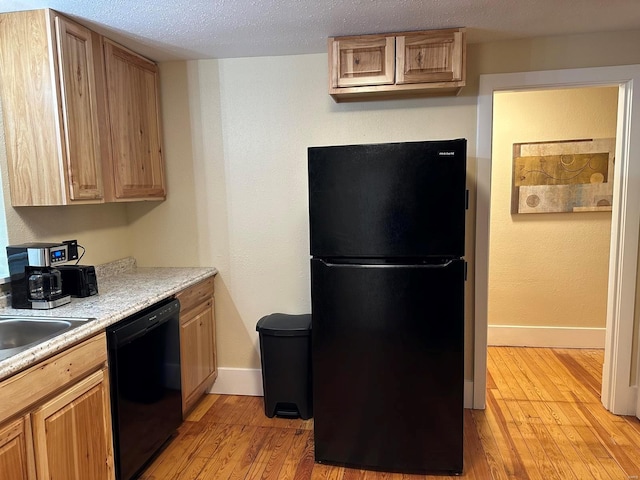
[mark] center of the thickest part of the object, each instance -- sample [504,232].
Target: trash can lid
[284,325]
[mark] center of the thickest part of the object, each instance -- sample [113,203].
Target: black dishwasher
[146,402]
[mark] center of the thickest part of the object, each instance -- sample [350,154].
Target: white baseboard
[558,337]
[238,381]
[248,381]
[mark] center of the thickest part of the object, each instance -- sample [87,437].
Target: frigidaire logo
[446,154]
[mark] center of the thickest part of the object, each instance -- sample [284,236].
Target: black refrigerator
[387,289]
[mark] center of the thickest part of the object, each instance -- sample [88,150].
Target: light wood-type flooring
[543,421]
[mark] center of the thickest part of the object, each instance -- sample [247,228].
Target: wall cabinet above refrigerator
[65,143]
[410,64]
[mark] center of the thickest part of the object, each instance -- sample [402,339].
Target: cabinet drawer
[196,294]
[23,389]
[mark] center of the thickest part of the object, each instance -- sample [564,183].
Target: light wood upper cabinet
[367,60]
[16,451]
[377,67]
[79,110]
[81,122]
[136,162]
[197,342]
[49,105]
[430,57]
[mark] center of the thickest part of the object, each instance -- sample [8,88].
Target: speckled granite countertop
[124,289]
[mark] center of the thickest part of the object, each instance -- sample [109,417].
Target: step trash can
[285,351]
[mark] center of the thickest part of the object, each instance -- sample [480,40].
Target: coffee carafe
[45,284]
[35,280]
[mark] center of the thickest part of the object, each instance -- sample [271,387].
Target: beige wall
[251,120]
[251,174]
[547,269]
[236,133]
[101,229]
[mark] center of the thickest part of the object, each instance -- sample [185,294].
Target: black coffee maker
[35,280]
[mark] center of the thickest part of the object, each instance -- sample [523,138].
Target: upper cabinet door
[30,109]
[366,60]
[48,91]
[79,110]
[133,103]
[397,65]
[436,56]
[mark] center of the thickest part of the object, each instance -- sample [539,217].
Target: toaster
[79,280]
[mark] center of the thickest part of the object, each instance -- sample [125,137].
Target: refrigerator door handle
[389,265]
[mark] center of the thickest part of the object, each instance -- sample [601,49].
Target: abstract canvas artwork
[563,176]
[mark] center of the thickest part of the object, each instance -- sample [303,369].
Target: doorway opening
[619,392]
[550,225]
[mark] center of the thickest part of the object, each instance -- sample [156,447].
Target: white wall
[255,157]
[236,133]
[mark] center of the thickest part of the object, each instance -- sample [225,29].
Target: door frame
[619,392]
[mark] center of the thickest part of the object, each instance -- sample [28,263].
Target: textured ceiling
[196,29]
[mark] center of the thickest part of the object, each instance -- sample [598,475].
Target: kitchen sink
[17,333]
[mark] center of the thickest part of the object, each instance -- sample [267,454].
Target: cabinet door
[16,452]
[197,351]
[430,57]
[134,120]
[79,110]
[358,61]
[72,433]
[30,109]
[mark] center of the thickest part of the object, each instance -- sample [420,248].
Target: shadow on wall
[137,210]
[45,222]
[240,346]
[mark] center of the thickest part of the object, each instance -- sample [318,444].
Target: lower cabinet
[77,417]
[55,418]
[197,342]
[16,451]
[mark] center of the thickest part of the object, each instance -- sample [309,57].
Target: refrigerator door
[388,200]
[388,365]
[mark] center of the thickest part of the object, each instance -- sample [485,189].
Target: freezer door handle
[387,265]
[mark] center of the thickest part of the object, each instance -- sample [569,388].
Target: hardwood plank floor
[543,421]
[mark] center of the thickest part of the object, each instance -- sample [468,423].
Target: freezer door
[388,366]
[388,200]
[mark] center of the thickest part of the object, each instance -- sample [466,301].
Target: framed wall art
[563,176]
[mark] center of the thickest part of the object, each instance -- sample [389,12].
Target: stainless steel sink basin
[17,333]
